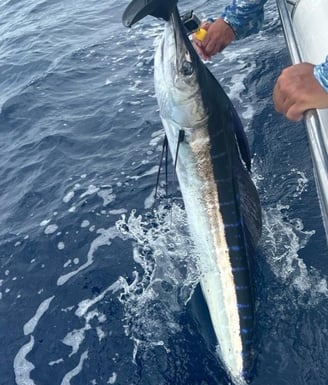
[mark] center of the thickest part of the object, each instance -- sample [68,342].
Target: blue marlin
[212,165]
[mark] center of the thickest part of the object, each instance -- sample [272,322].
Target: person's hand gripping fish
[218,35]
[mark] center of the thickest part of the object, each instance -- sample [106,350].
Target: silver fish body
[221,202]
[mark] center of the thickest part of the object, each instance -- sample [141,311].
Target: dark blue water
[94,283]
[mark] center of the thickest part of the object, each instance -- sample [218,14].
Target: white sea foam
[69,196]
[45,222]
[112,379]
[53,363]
[23,367]
[117,211]
[302,183]
[104,239]
[32,323]
[75,338]
[67,263]
[90,191]
[100,333]
[282,240]
[84,305]
[85,223]
[74,372]
[107,196]
[50,229]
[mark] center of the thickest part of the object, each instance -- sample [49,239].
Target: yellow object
[200,34]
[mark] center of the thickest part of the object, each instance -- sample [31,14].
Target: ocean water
[96,279]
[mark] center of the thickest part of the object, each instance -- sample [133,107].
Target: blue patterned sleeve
[244,16]
[321,74]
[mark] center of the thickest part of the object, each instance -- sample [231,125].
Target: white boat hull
[305,26]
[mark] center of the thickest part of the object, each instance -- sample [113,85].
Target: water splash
[283,238]
[166,280]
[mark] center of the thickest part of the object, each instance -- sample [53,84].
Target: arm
[244,16]
[240,19]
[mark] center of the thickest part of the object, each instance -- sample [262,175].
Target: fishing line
[165,154]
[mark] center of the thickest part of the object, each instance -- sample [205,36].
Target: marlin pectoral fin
[138,9]
[164,155]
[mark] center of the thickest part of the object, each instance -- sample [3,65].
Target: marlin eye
[187,68]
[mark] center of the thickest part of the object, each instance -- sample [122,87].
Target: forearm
[321,74]
[244,16]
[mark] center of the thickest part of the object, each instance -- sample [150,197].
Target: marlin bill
[212,157]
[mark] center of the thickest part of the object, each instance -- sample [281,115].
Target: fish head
[177,65]
[176,73]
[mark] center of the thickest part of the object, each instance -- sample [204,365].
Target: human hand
[297,90]
[219,35]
